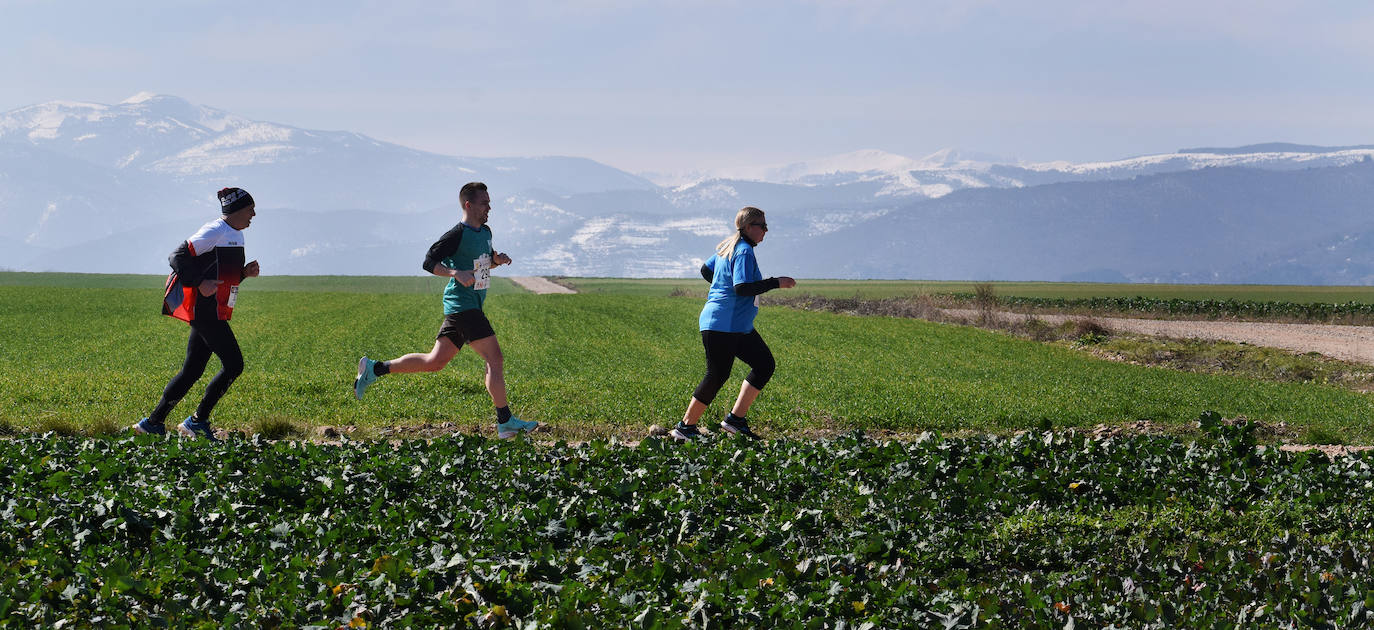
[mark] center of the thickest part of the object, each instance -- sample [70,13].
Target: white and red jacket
[213,252]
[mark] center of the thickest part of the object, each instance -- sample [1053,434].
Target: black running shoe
[738,427]
[685,432]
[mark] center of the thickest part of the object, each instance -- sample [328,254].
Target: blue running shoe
[192,428]
[148,427]
[365,377]
[685,432]
[513,427]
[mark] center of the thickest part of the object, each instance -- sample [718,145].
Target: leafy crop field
[1034,531]
[593,365]
[879,289]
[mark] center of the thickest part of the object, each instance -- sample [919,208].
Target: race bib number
[481,270]
[233,296]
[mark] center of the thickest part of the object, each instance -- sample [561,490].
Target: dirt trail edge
[540,285]
[1348,343]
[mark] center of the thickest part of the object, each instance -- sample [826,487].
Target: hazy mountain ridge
[89,187]
[948,170]
[203,148]
[1278,147]
[1147,229]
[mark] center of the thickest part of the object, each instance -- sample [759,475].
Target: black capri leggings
[722,349]
[207,337]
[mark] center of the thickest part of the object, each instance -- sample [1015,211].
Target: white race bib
[233,296]
[481,270]
[756,301]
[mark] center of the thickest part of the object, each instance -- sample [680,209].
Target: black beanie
[234,199]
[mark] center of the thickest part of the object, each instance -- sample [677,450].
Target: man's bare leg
[490,351]
[432,361]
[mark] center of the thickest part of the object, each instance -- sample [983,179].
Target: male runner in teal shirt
[465,256]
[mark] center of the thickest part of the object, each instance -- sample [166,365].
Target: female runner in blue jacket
[727,325]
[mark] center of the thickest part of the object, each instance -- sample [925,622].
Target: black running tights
[722,349]
[206,337]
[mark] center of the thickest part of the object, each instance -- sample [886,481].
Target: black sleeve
[750,289]
[443,248]
[707,274]
[184,263]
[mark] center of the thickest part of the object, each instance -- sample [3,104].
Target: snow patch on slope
[253,144]
[834,221]
[1194,161]
[709,192]
[141,97]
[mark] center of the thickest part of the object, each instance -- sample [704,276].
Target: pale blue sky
[654,86]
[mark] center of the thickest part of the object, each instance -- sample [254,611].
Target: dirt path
[540,285]
[1348,343]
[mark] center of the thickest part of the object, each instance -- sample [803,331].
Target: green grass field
[869,289]
[589,364]
[877,289]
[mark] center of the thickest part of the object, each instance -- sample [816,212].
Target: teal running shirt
[466,249]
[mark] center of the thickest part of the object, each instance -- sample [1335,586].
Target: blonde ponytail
[745,216]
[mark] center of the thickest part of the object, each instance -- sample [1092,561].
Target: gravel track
[540,285]
[1347,343]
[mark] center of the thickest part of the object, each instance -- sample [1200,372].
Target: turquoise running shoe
[192,428]
[513,427]
[148,427]
[365,377]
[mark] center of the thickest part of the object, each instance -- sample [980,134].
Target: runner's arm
[465,278]
[441,249]
[750,289]
[708,269]
[184,263]
[744,268]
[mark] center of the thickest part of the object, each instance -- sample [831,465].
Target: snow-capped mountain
[112,188]
[1277,158]
[73,172]
[136,133]
[201,146]
[881,174]
[1224,224]
[919,177]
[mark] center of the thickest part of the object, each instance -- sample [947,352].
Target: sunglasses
[762,226]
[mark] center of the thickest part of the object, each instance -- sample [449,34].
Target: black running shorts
[466,327]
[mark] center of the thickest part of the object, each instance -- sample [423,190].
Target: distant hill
[112,188]
[1278,147]
[1213,225]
